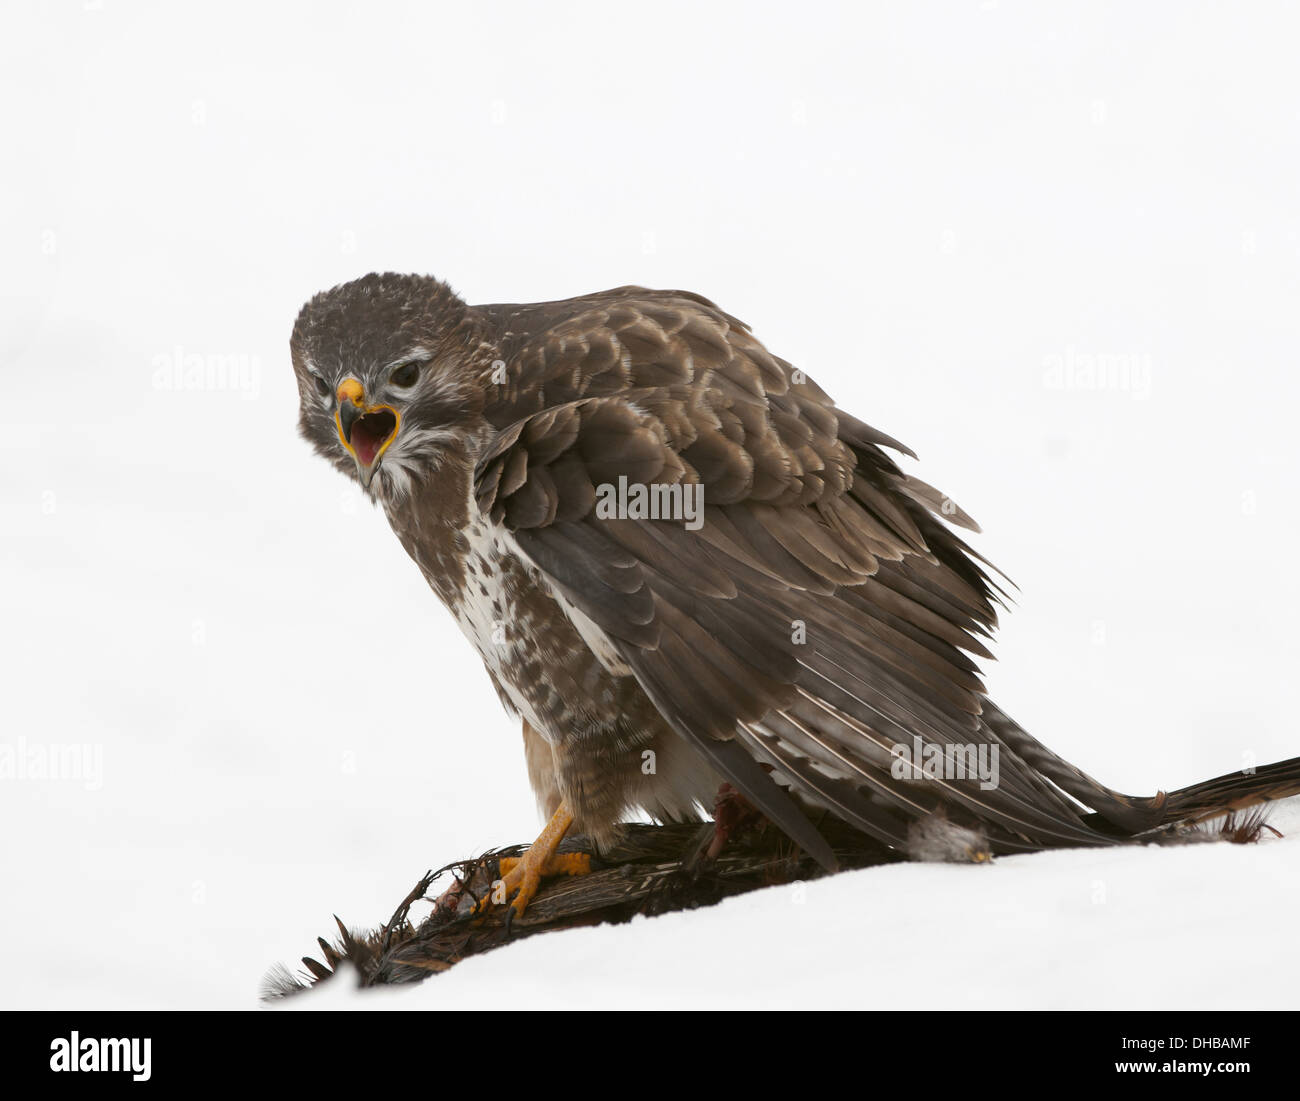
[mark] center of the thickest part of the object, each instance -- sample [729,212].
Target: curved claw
[521,876]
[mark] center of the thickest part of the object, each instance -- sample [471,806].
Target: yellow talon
[556,864]
[522,875]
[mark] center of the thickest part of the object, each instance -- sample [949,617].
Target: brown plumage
[823,614]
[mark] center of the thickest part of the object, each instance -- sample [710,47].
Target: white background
[923,206]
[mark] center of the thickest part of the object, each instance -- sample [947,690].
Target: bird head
[389,372]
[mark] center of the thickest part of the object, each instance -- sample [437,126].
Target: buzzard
[684,567]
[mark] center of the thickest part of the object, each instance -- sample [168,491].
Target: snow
[257,714]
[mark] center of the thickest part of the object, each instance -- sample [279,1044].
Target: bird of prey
[683,566]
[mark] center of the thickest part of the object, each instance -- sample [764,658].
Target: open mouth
[370,432]
[364,429]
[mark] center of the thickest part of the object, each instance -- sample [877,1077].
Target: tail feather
[1135,815]
[1129,813]
[1234,791]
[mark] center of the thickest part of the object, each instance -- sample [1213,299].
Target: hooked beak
[365,430]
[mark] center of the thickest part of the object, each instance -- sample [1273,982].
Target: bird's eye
[322,387]
[405,375]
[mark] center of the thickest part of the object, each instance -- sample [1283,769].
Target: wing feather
[822,615]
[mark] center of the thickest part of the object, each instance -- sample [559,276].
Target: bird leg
[522,875]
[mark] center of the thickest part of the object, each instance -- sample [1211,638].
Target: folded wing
[822,613]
